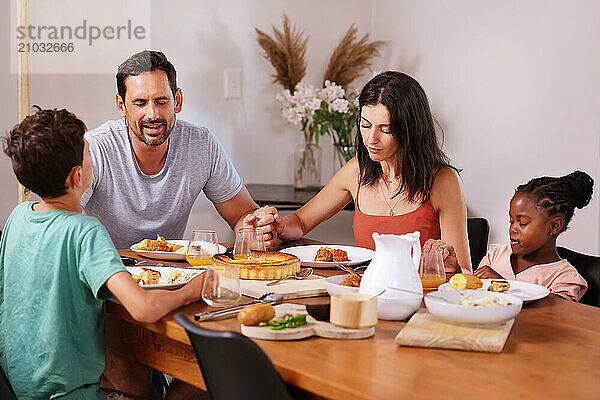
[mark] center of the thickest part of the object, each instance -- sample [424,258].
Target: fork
[349,270]
[267,298]
[303,273]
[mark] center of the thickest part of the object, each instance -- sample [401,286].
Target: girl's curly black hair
[560,195]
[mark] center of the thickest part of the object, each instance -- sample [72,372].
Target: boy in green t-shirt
[57,267]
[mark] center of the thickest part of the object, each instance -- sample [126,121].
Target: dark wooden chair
[6,391]
[589,268]
[478,232]
[233,366]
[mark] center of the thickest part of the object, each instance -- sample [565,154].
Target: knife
[136,262]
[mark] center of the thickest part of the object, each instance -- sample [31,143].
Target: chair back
[6,391]
[589,268]
[478,231]
[233,366]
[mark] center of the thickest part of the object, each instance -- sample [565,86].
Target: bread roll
[256,313]
[464,281]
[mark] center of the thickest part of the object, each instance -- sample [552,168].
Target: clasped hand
[268,220]
[448,254]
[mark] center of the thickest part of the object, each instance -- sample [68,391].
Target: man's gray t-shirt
[135,206]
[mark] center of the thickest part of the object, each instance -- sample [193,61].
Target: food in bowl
[445,306]
[488,300]
[498,286]
[465,281]
[329,254]
[160,244]
[333,285]
[352,281]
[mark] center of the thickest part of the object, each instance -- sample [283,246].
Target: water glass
[201,247]
[221,286]
[246,240]
[431,269]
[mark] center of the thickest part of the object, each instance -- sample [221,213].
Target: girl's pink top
[424,219]
[560,276]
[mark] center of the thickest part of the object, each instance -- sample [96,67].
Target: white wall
[515,85]
[202,38]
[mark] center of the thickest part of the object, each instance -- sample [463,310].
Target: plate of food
[524,290]
[328,256]
[163,249]
[473,307]
[162,277]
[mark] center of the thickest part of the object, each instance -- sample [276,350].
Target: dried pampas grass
[350,58]
[285,51]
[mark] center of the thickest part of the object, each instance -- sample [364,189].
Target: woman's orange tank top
[424,219]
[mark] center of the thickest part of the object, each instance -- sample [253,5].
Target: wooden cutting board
[425,330]
[312,328]
[312,286]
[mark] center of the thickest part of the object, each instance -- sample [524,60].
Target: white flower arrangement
[320,111]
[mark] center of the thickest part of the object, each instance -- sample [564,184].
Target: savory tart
[262,265]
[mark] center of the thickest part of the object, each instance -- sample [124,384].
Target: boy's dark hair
[145,61]
[412,127]
[560,195]
[44,148]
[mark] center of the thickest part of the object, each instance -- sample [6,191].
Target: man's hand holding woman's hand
[268,220]
[448,254]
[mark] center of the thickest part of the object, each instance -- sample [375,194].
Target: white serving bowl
[332,285]
[402,306]
[471,315]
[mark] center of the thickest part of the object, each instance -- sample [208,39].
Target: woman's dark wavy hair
[44,148]
[560,196]
[412,126]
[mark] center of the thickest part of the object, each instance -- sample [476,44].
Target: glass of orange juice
[246,240]
[431,270]
[201,247]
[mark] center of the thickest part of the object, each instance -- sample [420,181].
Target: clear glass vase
[307,161]
[342,153]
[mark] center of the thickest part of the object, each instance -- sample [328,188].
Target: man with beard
[150,167]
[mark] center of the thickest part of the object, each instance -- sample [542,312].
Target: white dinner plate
[167,255]
[524,290]
[306,254]
[164,271]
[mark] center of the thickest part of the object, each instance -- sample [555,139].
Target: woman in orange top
[400,180]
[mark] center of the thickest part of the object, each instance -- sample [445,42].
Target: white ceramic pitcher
[393,265]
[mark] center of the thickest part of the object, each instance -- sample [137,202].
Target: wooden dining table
[552,352]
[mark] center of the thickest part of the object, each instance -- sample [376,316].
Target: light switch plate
[233,83]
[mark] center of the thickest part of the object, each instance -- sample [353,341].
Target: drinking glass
[246,240]
[431,270]
[201,247]
[221,286]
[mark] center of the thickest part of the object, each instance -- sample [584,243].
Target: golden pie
[262,265]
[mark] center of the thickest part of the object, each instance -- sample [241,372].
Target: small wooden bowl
[353,310]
